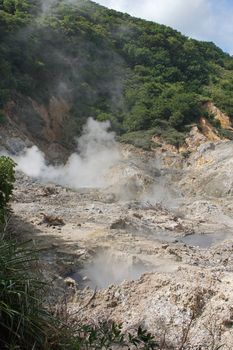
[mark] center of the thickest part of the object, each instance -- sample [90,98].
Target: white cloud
[209,20]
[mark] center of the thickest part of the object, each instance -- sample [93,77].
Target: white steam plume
[97,153]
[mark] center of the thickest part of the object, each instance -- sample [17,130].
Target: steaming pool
[110,267]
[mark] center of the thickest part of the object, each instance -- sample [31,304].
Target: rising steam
[98,163]
[97,153]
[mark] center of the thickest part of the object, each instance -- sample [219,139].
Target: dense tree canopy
[139,74]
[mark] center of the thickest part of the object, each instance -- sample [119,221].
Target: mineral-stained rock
[210,172]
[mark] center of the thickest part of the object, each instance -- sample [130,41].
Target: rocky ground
[157,244]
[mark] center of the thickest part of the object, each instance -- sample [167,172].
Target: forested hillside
[140,75]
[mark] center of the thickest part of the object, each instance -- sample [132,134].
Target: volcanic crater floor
[135,261]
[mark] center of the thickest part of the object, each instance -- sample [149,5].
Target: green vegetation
[106,336]
[2,117]
[140,139]
[226,134]
[24,323]
[108,65]
[7,178]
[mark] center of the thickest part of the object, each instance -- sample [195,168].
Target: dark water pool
[205,240]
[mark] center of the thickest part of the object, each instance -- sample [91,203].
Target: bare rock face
[32,123]
[220,116]
[195,139]
[54,117]
[210,171]
[208,133]
[208,130]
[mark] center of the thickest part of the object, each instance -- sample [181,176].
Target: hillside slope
[61,64]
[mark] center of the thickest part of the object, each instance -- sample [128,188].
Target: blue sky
[210,20]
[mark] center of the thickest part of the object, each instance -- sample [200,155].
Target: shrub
[7,178]
[109,335]
[141,139]
[24,323]
[2,117]
[228,134]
